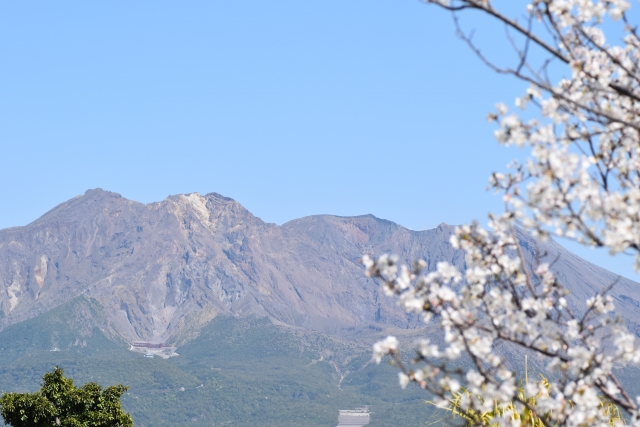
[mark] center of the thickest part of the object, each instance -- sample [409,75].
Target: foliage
[60,402]
[516,411]
[581,181]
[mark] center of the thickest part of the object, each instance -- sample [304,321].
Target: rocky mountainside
[161,271]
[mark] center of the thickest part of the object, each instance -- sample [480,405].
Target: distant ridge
[163,270]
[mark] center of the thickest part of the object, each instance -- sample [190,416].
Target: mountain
[167,268]
[273,324]
[162,271]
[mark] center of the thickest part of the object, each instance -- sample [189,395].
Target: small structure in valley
[354,417]
[144,344]
[150,349]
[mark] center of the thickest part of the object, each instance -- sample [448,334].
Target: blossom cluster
[581,181]
[498,301]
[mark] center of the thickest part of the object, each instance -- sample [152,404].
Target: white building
[354,417]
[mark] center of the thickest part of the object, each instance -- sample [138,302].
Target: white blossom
[581,181]
[403,379]
[384,347]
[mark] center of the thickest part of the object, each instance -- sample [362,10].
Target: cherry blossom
[581,181]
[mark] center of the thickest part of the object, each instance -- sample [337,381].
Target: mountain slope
[162,271]
[240,372]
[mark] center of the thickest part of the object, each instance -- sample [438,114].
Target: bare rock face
[165,269]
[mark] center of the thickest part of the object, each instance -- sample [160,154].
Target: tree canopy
[60,402]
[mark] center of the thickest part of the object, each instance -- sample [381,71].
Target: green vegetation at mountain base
[238,372]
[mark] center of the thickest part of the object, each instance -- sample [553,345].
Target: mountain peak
[444,227]
[164,269]
[219,196]
[99,192]
[81,204]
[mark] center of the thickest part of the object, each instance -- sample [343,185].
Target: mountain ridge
[163,270]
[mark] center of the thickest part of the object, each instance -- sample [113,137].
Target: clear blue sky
[292,108]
